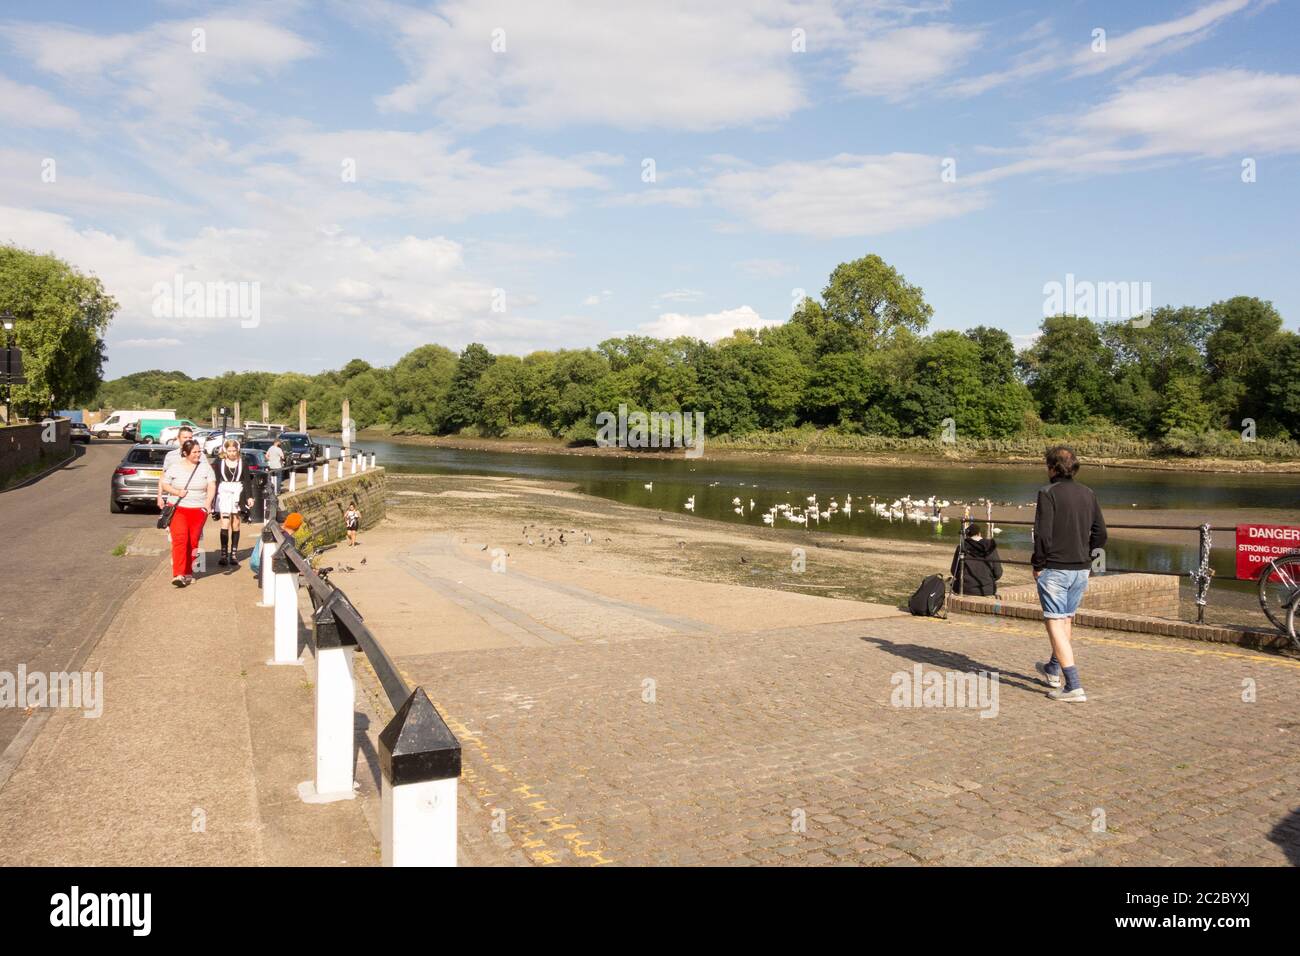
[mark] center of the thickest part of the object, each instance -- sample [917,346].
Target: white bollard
[311,472]
[268,576]
[335,707]
[420,762]
[372,459]
[293,481]
[340,474]
[329,451]
[352,469]
[324,473]
[286,618]
[419,823]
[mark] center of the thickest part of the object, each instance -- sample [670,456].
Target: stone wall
[1151,595]
[22,448]
[322,505]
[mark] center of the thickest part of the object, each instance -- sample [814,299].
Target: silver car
[135,481]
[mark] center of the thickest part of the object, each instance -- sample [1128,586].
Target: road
[61,584]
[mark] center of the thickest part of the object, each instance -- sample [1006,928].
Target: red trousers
[187,530]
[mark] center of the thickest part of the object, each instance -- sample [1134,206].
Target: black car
[130,431]
[300,452]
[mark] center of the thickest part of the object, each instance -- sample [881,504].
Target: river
[1184,498]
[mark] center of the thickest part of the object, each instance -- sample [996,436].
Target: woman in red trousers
[192,484]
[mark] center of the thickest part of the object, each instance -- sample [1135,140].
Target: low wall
[22,448]
[1138,603]
[322,505]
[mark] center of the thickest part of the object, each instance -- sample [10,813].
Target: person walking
[192,482]
[275,461]
[234,499]
[351,522]
[183,434]
[1069,529]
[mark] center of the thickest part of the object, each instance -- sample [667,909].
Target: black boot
[225,548]
[234,549]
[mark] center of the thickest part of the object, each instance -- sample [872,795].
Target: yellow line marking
[1136,645]
[533,847]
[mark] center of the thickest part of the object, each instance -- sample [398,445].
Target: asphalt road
[60,584]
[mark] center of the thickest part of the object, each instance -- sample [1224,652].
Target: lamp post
[11,366]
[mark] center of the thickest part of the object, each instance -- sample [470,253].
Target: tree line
[857,361]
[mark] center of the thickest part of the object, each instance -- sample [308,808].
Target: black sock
[225,540]
[234,541]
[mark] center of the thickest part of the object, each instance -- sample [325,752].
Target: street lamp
[11,361]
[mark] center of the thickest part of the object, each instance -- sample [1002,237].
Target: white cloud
[681,64]
[710,327]
[681,295]
[155,343]
[22,105]
[845,195]
[899,61]
[1156,39]
[765,268]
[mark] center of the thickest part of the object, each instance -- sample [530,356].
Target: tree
[1068,370]
[61,316]
[422,379]
[1237,351]
[461,408]
[1183,408]
[873,300]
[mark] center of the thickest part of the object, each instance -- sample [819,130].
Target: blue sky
[499,194]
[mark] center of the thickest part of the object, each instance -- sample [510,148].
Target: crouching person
[980,572]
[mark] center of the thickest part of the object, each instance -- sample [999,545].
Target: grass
[120,550]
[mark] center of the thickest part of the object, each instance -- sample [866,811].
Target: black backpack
[929,597]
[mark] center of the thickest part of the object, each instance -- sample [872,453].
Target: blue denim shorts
[1059,592]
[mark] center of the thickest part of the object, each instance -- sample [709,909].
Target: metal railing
[419,756]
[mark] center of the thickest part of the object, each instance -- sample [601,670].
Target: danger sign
[1258,544]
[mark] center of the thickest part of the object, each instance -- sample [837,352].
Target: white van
[111,427]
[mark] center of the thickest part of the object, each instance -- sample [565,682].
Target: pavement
[62,593]
[198,752]
[698,725]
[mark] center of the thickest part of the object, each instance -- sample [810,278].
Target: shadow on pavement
[1287,835]
[955,661]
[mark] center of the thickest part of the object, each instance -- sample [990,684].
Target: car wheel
[114,506]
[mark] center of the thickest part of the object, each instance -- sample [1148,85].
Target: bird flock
[812,511]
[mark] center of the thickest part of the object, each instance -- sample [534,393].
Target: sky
[354,179]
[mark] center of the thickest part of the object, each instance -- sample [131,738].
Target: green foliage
[60,319]
[852,371]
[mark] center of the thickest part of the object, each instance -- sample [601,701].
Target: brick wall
[322,506]
[1138,603]
[23,447]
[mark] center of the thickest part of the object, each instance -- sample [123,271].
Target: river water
[1185,497]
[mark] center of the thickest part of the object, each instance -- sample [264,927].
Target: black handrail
[345,614]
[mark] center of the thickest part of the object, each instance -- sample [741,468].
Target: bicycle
[1279,593]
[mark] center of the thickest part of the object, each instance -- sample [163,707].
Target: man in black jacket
[1068,532]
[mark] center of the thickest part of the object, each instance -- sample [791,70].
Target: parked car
[261,444]
[129,432]
[212,444]
[300,451]
[135,481]
[155,429]
[116,423]
[80,431]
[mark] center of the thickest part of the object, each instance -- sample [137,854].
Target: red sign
[1257,544]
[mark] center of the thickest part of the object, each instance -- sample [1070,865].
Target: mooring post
[419,758]
[372,459]
[335,707]
[340,474]
[324,473]
[1203,573]
[293,482]
[286,607]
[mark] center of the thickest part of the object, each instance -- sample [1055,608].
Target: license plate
[151,474]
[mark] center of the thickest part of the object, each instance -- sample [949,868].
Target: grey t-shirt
[178,473]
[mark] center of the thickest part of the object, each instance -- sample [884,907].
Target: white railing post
[372,459]
[352,467]
[269,547]
[324,473]
[419,758]
[335,710]
[340,474]
[293,481]
[311,474]
[286,610]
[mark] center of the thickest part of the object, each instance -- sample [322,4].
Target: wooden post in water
[302,415]
[346,424]
[237,418]
[214,416]
[266,411]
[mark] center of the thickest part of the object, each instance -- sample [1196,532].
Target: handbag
[169,511]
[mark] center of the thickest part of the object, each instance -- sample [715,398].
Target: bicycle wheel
[1279,584]
[1292,623]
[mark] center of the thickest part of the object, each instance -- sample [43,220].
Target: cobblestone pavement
[746,745]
